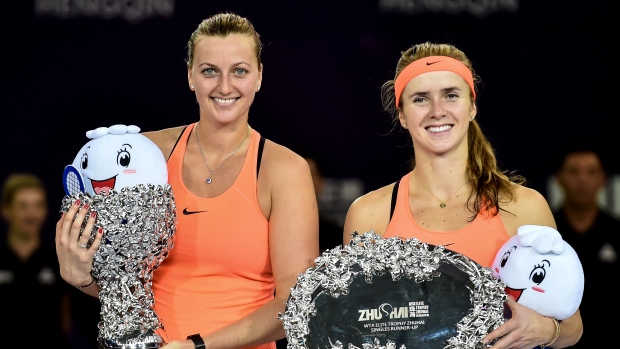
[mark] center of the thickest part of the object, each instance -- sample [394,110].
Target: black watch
[198,342]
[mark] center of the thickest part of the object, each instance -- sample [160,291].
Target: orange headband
[428,64]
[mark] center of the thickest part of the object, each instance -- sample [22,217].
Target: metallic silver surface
[372,256]
[139,224]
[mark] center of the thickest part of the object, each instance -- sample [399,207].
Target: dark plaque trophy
[376,293]
[139,224]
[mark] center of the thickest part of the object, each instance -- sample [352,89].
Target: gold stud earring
[257,88]
[403,123]
[473,116]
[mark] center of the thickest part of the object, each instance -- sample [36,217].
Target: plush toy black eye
[123,158]
[506,256]
[84,162]
[538,274]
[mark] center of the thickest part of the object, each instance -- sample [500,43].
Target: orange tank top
[480,240]
[218,270]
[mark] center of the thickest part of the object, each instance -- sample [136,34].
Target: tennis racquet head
[72,180]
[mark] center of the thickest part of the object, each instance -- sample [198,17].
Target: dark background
[547,68]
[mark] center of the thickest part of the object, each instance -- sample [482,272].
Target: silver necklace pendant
[209,180]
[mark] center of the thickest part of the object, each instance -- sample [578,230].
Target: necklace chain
[212,172]
[442,203]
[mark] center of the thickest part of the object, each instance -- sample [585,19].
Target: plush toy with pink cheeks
[541,271]
[122,176]
[116,157]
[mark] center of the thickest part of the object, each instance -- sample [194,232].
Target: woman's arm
[528,329]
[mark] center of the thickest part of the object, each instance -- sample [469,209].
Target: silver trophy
[391,293]
[139,224]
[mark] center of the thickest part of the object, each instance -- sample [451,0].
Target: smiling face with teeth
[437,108]
[225,75]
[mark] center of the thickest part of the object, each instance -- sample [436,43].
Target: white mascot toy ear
[541,271]
[115,157]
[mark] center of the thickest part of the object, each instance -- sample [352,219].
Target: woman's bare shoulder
[282,170]
[280,157]
[374,198]
[526,198]
[528,206]
[279,163]
[166,138]
[370,211]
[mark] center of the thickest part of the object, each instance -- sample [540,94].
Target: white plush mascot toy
[541,271]
[115,157]
[121,175]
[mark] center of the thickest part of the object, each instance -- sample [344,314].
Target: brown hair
[489,181]
[16,182]
[223,24]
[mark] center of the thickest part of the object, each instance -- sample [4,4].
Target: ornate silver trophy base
[391,293]
[148,340]
[138,228]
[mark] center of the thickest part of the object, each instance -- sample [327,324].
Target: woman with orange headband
[456,195]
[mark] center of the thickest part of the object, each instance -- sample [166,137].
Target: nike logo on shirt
[187,213]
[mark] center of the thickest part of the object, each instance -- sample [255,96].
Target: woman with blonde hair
[247,212]
[456,195]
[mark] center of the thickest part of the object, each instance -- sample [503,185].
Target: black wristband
[198,342]
[92,282]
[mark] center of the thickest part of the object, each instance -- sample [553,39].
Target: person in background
[30,282]
[246,209]
[582,172]
[456,195]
